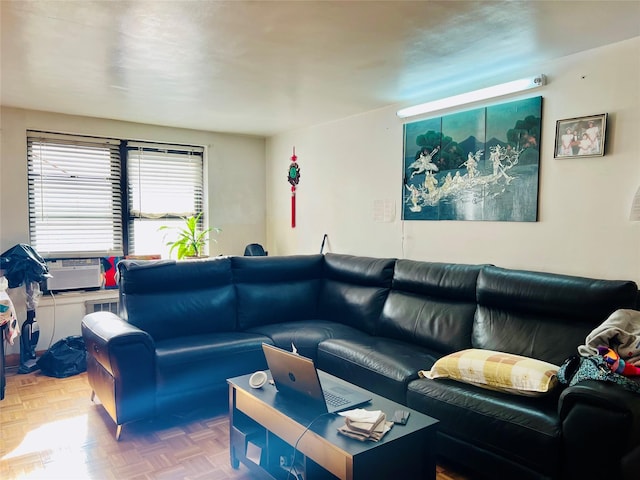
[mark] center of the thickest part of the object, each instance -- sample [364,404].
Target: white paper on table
[362,415]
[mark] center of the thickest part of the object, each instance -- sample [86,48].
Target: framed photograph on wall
[581,136]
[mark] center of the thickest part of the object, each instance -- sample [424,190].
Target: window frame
[156,149]
[126,216]
[62,168]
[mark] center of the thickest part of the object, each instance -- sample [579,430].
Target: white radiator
[101,306]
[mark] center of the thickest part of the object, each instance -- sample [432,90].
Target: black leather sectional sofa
[185,327]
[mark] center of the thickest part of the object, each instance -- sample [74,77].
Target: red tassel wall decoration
[293,207]
[293,178]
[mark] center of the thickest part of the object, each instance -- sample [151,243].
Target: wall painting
[480,164]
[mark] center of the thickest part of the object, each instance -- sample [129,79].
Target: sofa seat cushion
[305,334]
[184,363]
[525,430]
[382,365]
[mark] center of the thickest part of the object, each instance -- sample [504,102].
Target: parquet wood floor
[51,430]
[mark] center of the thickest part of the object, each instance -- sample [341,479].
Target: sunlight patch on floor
[60,446]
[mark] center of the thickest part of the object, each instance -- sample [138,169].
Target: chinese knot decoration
[293,177]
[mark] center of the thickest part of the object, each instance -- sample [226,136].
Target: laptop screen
[296,376]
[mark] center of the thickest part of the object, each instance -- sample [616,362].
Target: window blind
[165,183]
[75,206]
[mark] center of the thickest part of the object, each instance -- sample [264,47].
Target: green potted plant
[191,240]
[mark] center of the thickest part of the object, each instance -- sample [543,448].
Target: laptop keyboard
[334,400]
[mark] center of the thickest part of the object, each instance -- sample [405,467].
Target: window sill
[67,298]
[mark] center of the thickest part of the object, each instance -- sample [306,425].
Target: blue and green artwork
[476,165]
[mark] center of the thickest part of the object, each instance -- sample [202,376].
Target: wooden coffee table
[264,427]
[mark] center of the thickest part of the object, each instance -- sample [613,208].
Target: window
[107,197]
[165,184]
[74,195]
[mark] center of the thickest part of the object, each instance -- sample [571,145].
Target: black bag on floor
[64,358]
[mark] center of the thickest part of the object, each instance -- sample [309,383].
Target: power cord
[292,467]
[53,329]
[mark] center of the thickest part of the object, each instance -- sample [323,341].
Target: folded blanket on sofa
[620,332]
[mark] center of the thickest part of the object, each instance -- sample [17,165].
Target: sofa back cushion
[167,298]
[431,304]
[355,289]
[543,315]
[276,289]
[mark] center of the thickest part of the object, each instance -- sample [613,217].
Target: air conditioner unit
[74,274]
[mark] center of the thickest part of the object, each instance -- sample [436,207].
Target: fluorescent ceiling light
[476,95]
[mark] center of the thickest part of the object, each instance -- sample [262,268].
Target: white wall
[235,175]
[583,228]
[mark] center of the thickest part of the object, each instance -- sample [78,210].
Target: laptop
[296,376]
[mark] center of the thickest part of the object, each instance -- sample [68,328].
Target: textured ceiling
[263,67]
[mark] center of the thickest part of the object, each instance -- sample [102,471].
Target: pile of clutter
[7,313]
[365,425]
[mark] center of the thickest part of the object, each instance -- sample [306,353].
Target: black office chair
[254,250]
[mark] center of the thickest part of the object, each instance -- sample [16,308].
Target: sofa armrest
[600,426]
[121,366]
[116,344]
[604,394]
